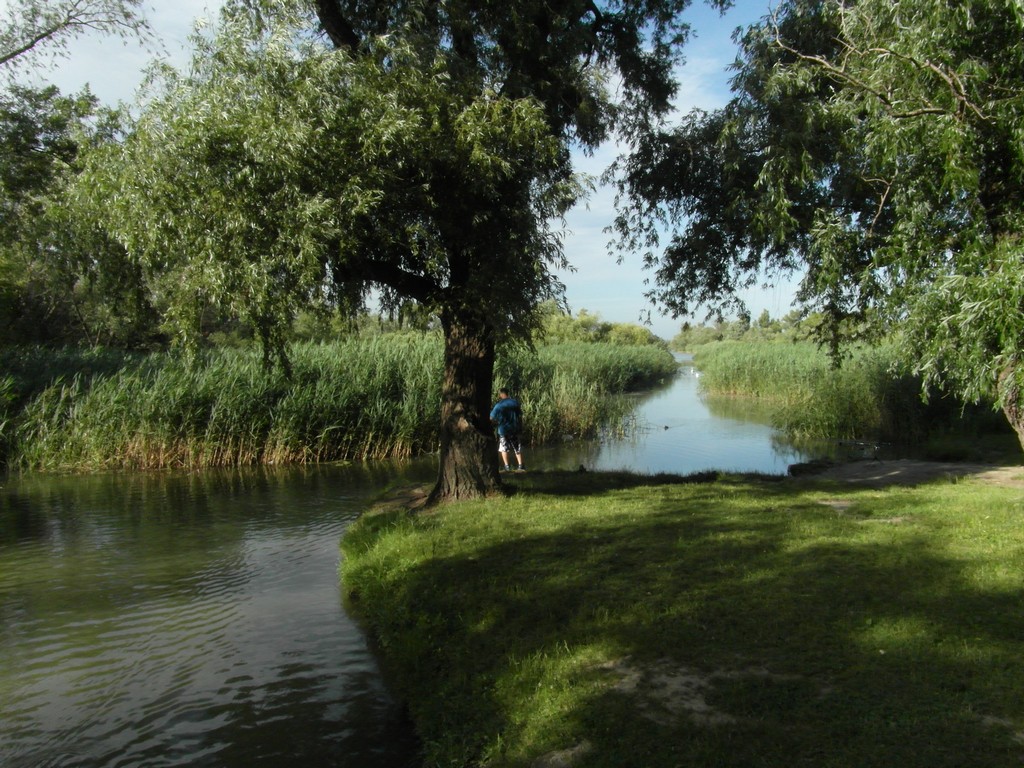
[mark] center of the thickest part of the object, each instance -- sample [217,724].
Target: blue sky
[613,290]
[600,285]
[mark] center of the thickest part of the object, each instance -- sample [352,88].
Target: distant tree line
[558,325]
[793,326]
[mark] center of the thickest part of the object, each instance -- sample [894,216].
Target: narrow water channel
[196,619]
[677,430]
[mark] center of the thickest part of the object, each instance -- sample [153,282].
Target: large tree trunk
[469,459]
[1013,403]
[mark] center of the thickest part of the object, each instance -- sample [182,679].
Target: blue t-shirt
[507,415]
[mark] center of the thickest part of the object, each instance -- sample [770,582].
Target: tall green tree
[36,148]
[423,154]
[878,146]
[51,290]
[48,286]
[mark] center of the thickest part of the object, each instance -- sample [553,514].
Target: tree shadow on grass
[584,483]
[839,647]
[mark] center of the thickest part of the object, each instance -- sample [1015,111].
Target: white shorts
[509,444]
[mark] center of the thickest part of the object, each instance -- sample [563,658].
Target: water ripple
[204,637]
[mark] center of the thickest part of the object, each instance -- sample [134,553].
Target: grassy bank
[606,620]
[366,398]
[864,399]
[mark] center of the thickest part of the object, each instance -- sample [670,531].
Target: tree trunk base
[469,452]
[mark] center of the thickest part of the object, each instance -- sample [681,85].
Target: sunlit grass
[645,622]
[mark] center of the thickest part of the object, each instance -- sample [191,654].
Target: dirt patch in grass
[880,474]
[666,691]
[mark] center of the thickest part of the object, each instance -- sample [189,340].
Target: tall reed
[864,399]
[780,372]
[7,396]
[575,389]
[364,398]
[615,368]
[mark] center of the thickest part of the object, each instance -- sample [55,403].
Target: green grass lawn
[613,620]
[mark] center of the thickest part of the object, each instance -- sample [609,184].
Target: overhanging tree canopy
[50,290]
[879,146]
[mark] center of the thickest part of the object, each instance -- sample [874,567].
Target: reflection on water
[196,619]
[188,620]
[678,431]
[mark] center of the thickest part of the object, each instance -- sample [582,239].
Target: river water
[676,430]
[196,619]
[188,620]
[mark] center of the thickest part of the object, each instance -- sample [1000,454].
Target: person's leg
[517,445]
[504,459]
[503,451]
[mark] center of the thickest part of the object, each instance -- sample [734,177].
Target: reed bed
[6,399]
[780,372]
[574,389]
[615,368]
[864,399]
[364,398]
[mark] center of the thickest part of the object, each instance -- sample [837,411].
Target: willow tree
[422,155]
[877,146]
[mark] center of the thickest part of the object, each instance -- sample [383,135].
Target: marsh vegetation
[865,398]
[370,397]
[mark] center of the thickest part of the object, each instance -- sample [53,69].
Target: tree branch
[31,43]
[337,27]
[410,284]
[881,203]
[840,73]
[951,79]
[115,17]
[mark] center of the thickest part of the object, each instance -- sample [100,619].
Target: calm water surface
[196,620]
[156,620]
[679,431]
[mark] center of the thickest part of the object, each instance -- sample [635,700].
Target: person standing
[508,416]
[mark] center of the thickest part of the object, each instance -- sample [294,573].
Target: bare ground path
[881,473]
